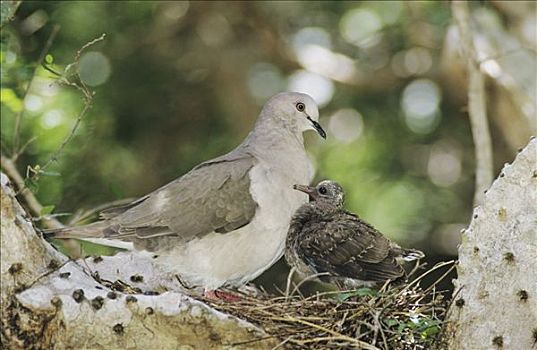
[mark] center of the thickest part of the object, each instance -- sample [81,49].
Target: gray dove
[225,221]
[326,240]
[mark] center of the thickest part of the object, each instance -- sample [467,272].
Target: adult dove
[326,240]
[225,221]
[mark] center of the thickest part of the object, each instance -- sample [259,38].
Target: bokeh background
[177,83]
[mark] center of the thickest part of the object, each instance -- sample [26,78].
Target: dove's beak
[309,190]
[318,127]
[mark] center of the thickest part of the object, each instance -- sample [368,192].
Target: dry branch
[35,208]
[476,103]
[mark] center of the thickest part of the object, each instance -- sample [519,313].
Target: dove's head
[325,193]
[295,111]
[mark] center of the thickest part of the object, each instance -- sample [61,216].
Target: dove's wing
[348,247]
[214,196]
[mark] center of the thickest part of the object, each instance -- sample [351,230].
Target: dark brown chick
[325,238]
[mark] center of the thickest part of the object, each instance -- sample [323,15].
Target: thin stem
[88,99]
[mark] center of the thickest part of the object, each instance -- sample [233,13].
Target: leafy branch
[73,80]
[69,77]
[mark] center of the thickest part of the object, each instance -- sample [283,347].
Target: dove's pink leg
[221,295]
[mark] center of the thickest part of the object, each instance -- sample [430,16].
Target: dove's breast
[237,257]
[272,189]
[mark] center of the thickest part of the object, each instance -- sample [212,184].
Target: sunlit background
[177,83]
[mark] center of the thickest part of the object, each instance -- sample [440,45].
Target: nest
[406,316]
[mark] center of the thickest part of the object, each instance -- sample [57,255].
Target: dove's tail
[405,254]
[411,254]
[93,230]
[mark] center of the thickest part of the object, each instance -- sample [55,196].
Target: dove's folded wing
[214,196]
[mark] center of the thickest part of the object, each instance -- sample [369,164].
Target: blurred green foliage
[177,83]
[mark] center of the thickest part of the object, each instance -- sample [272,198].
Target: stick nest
[394,317]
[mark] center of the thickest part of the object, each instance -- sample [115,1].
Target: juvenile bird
[325,238]
[224,222]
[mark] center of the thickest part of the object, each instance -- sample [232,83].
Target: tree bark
[495,305]
[49,302]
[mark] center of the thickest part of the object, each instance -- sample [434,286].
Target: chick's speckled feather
[342,245]
[325,238]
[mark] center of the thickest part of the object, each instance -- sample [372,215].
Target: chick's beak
[318,127]
[309,190]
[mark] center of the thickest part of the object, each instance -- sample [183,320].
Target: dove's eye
[300,107]
[322,190]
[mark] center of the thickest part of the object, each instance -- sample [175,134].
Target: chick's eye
[300,107]
[322,190]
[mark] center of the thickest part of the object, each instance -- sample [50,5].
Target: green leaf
[427,333]
[49,58]
[427,323]
[401,327]
[50,173]
[48,209]
[411,325]
[90,248]
[390,322]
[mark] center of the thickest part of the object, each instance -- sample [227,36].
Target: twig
[376,317]
[309,278]
[88,44]
[434,268]
[56,154]
[16,136]
[452,301]
[88,99]
[418,265]
[31,202]
[476,103]
[282,343]
[289,281]
[21,150]
[48,216]
[363,345]
[452,267]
